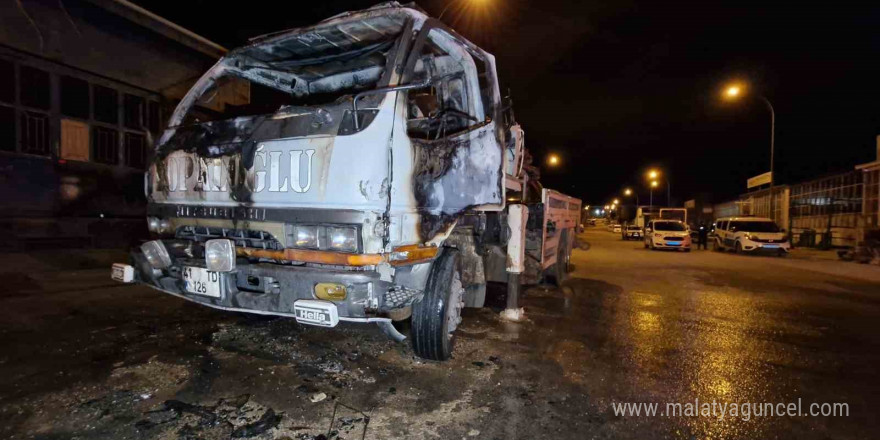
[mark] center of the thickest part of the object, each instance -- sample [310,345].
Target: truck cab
[356,170]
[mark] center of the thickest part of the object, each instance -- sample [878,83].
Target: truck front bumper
[272,289]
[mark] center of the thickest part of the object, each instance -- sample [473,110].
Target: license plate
[771,246]
[122,273]
[312,312]
[673,243]
[202,282]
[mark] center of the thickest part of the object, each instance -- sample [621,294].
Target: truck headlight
[305,236]
[220,255]
[156,254]
[342,239]
[152,224]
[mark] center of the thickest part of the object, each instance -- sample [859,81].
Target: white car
[616,228]
[667,234]
[631,232]
[750,234]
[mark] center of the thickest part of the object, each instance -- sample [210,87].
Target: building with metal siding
[85,85]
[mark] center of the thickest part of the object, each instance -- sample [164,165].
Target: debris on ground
[317,397]
[238,417]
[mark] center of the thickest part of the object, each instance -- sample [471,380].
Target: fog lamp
[342,239]
[330,291]
[220,255]
[156,254]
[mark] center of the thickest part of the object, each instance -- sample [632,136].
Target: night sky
[617,87]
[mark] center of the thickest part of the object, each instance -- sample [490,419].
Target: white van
[750,234]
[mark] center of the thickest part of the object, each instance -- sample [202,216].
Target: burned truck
[363,170]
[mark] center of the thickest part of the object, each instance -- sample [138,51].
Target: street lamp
[734,92]
[653,185]
[615,202]
[553,160]
[653,175]
[629,192]
[451,3]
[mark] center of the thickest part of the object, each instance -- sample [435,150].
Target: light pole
[653,175]
[734,92]
[653,185]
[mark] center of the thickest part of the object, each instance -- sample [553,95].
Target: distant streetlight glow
[553,160]
[607,207]
[653,174]
[628,192]
[654,184]
[615,202]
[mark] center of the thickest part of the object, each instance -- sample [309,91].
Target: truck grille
[241,237]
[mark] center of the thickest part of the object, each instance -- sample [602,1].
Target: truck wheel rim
[456,303]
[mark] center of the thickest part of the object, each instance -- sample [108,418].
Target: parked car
[632,232]
[667,234]
[592,222]
[750,234]
[616,228]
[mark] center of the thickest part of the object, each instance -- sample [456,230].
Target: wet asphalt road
[84,358]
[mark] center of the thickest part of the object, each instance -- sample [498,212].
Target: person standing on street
[702,237]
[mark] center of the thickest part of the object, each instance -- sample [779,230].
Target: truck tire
[436,316]
[558,272]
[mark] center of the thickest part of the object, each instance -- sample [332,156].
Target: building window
[105,145]
[7,82]
[7,128]
[34,133]
[106,105]
[34,88]
[135,150]
[74,97]
[134,112]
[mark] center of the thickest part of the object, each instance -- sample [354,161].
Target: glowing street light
[553,160]
[653,176]
[472,2]
[615,202]
[734,91]
[628,192]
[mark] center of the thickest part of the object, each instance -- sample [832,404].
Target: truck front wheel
[437,315]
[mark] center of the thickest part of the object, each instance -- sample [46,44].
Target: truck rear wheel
[558,272]
[437,315]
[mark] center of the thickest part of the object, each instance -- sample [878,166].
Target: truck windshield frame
[309,76]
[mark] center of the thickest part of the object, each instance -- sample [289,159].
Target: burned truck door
[456,150]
